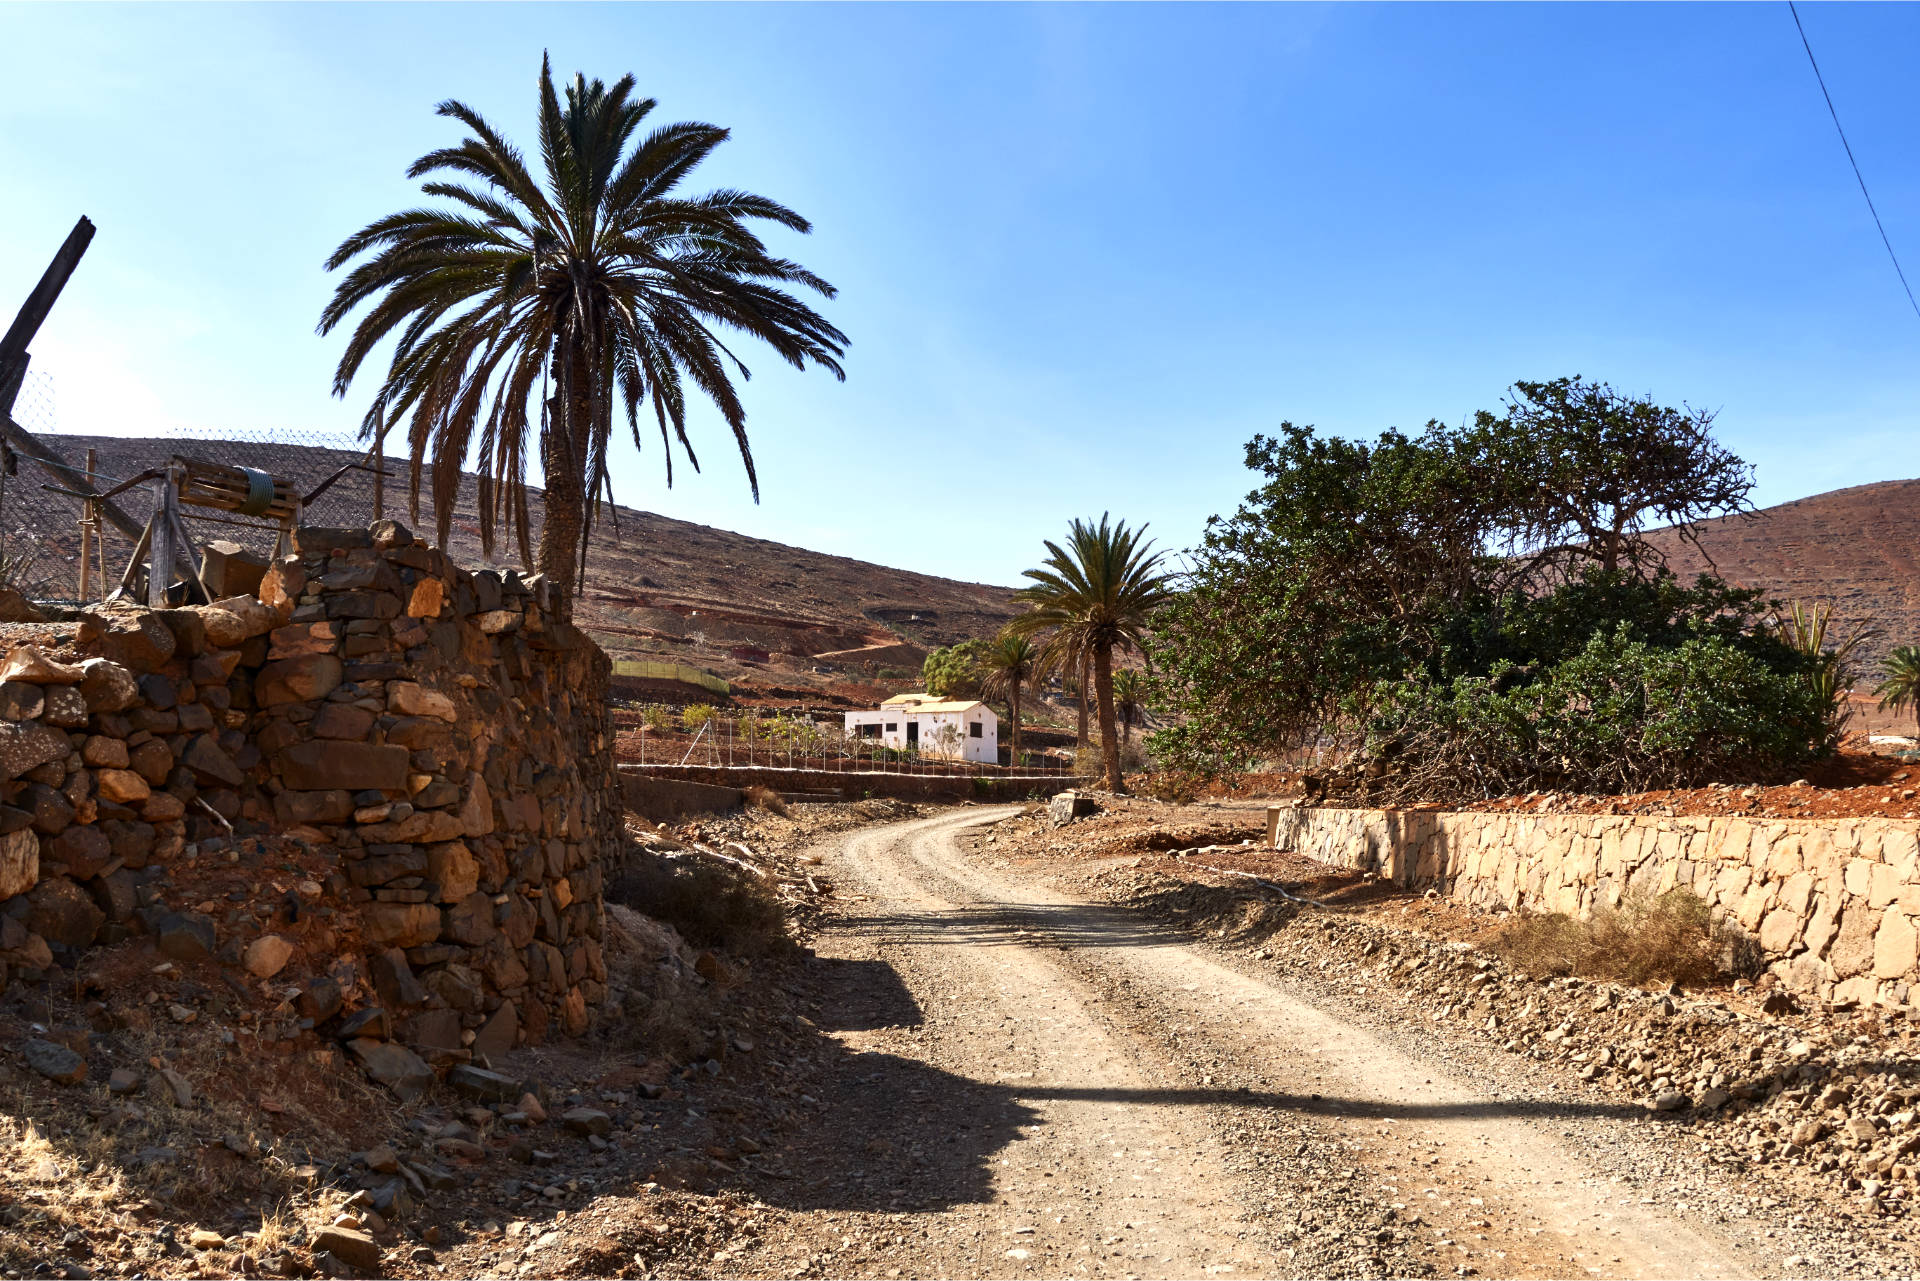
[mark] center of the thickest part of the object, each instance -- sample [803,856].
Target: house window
[870,731]
[893,728]
[974,730]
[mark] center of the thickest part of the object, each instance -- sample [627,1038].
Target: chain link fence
[43,525]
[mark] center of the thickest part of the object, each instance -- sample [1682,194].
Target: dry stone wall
[432,734]
[1834,903]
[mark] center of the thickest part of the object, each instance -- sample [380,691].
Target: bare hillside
[1858,548]
[752,610]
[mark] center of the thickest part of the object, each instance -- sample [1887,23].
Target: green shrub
[694,715]
[1618,716]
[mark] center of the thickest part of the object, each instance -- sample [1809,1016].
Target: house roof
[928,703]
[901,700]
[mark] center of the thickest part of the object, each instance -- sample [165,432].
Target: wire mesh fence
[51,548]
[658,734]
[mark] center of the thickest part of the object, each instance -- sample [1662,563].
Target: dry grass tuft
[1672,938]
[712,904]
[765,798]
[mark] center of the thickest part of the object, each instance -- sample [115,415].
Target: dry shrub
[1176,787]
[1672,938]
[765,798]
[713,904]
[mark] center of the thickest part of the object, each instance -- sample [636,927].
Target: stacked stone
[109,731]
[1834,903]
[436,730]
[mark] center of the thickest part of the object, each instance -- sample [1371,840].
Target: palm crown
[599,284]
[1901,684]
[1095,595]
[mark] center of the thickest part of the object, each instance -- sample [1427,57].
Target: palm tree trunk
[1109,738]
[1013,706]
[563,460]
[1080,683]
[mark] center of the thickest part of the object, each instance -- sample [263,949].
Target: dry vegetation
[1644,940]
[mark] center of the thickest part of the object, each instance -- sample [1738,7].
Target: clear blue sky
[1084,252]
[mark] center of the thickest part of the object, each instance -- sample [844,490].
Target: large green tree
[1096,594]
[526,312]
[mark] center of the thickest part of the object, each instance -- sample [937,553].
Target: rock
[343,720]
[107,686]
[434,1030]
[123,1082]
[30,663]
[122,786]
[65,707]
[28,745]
[297,680]
[478,1083]
[1672,1101]
[399,924]
[531,1106]
[1713,1100]
[320,999]
[1779,1001]
[232,622]
[179,1089]
[185,936]
[393,979]
[20,702]
[138,640]
[451,864]
[1862,1129]
[355,1249]
[371,1022]
[410,698]
[207,761]
[152,760]
[267,955]
[1067,806]
[103,752]
[62,913]
[54,1061]
[394,1066]
[381,1159]
[586,1121]
[85,850]
[476,810]
[429,598]
[497,1035]
[19,862]
[322,765]
[1809,1132]
[203,1239]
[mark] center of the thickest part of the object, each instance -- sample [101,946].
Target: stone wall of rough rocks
[439,743]
[1835,903]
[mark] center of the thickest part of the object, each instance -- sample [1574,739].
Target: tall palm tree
[1096,595]
[1901,684]
[1010,662]
[599,283]
[1129,692]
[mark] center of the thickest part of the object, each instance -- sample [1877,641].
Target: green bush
[1619,715]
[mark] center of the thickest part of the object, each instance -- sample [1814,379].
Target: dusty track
[1038,1086]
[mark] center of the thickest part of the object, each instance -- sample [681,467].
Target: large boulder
[26,745]
[107,686]
[64,914]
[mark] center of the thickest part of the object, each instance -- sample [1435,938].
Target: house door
[913,733]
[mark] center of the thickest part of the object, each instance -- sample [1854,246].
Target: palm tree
[1009,662]
[1901,686]
[1129,692]
[599,284]
[1095,596]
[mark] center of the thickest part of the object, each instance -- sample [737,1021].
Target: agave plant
[1832,655]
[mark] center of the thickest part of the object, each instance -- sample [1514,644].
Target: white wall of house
[969,734]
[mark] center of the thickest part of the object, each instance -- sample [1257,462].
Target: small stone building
[949,729]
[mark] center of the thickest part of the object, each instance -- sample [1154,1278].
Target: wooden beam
[34,311]
[27,445]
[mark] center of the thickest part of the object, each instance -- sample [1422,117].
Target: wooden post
[160,562]
[87,522]
[379,475]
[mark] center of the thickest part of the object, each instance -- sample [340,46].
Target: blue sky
[1084,252]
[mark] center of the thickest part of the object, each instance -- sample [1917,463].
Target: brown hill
[1857,549]
[749,609]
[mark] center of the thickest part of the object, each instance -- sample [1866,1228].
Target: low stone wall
[433,734]
[855,785]
[660,799]
[1835,903]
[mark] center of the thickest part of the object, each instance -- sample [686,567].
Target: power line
[1805,44]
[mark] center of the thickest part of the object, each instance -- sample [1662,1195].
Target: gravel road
[1034,1085]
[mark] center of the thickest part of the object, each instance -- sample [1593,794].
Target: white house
[954,729]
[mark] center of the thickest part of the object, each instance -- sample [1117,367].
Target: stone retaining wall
[1835,903]
[433,735]
[855,785]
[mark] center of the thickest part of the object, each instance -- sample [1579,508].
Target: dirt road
[1037,1086]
